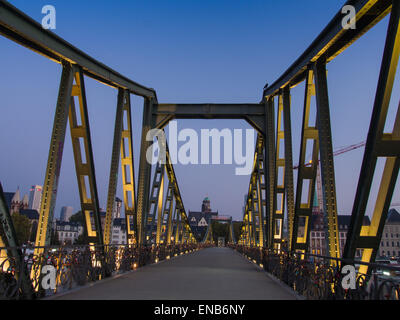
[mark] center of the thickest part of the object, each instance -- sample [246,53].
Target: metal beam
[84,166]
[333,40]
[18,27]
[260,190]
[357,235]
[270,177]
[128,172]
[153,218]
[279,195]
[115,155]
[254,113]
[50,186]
[169,209]
[289,187]
[144,173]
[305,173]
[326,161]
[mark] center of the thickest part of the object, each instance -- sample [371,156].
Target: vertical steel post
[159,207]
[156,198]
[261,191]
[305,172]
[168,207]
[278,215]
[128,172]
[178,224]
[85,170]
[113,179]
[289,187]
[144,172]
[50,185]
[326,160]
[379,144]
[270,170]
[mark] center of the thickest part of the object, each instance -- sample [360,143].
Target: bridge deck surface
[208,274]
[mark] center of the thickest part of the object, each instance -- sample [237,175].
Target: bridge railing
[58,269]
[315,277]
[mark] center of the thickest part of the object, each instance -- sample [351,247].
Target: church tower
[206,206]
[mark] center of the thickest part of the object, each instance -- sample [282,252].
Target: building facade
[317,233]
[68,232]
[118,233]
[390,242]
[199,220]
[14,202]
[66,213]
[35,196]
[117,208]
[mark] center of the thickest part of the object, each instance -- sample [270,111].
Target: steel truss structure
[209,236]
[271,188]
[311,67]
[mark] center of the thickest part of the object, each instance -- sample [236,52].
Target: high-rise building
[66,213]
[35,196]
[117,208]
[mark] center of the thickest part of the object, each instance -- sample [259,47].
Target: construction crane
[335,153]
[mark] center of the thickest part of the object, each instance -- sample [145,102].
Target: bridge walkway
[208,274]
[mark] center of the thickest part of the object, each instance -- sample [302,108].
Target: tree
[237,229]
[220,230]
[77,217]
[54,238]
[22,226]
[82,239]
[33,232]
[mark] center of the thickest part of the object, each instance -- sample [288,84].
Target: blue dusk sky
[192,51]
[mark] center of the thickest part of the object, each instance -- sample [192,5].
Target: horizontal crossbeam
[253,113]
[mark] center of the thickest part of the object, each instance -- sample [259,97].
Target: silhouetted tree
[22,226]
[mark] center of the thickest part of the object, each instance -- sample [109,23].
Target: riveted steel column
[112,183]
[270,170]
[144,172]
[379,144]
[305,172]
[289,187]
[50,185]
[326,161]
[155,201]
[89,201]
[262,192]
[128,172]
[278,215]
[178,225]
[168,208]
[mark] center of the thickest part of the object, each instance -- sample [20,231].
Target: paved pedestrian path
[208,274]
